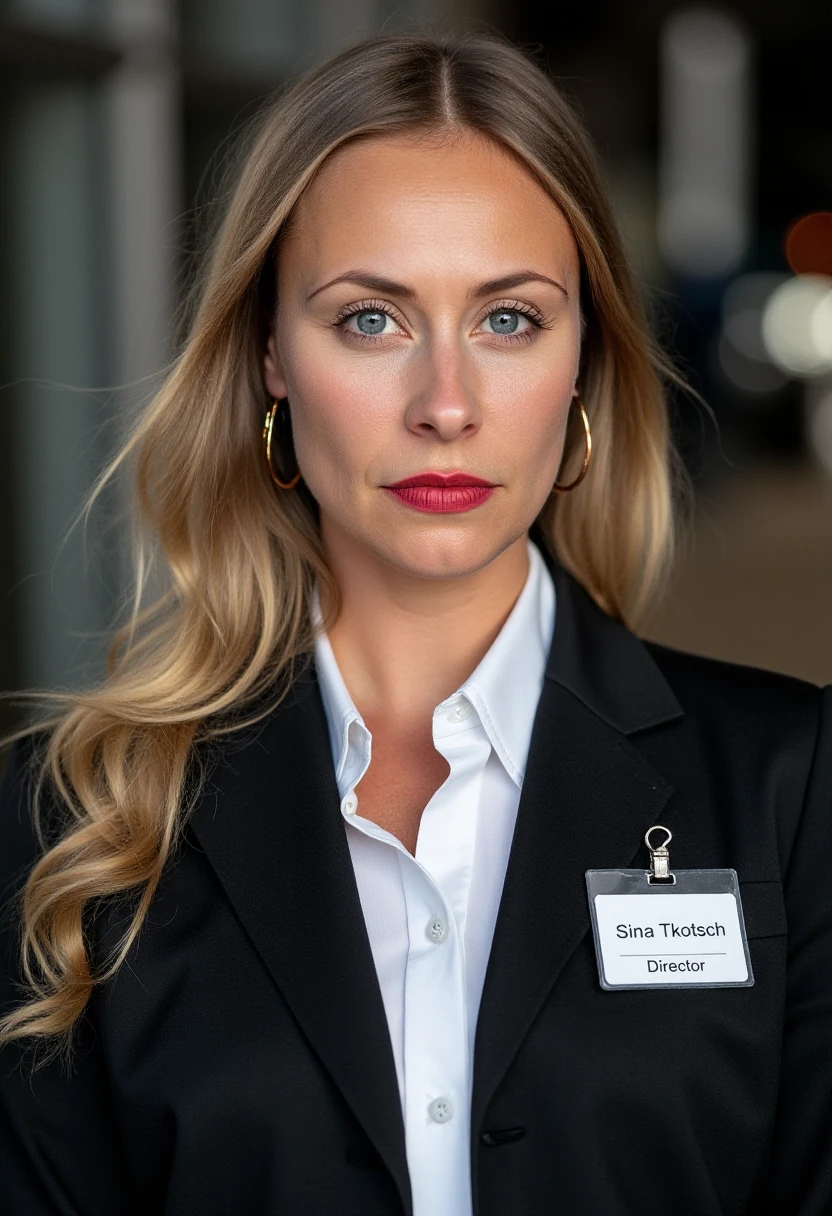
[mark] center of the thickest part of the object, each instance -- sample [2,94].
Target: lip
[443,480]
[438,493]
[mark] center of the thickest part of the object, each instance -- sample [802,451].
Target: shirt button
[350,804]
[441,1110]
[460,712]
[436,930]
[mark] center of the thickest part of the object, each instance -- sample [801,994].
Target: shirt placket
[436,884]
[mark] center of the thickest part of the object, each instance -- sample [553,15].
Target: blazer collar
[269,823]
[602,663]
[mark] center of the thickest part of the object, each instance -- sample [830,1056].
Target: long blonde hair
[217,647]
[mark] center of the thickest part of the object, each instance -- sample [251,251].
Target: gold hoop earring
[588,439]
[267,439]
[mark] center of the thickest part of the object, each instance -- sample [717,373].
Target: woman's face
[402,354]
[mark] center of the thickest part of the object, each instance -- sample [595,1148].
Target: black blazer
[240,1065]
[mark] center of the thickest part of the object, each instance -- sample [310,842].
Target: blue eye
[508,320]
[371,318]
[370,321]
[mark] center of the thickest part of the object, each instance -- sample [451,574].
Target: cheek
[534,406]
[542,411]
[340,413]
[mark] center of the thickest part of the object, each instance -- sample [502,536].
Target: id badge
[661,929]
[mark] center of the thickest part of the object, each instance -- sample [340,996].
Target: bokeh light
[797,325]
[809,244]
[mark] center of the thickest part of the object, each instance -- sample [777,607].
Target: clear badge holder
[659,928]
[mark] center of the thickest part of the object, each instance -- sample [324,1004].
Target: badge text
[670,929]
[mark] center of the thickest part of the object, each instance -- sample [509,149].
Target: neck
[402,642]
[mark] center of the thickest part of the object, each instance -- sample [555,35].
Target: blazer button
[502,1135]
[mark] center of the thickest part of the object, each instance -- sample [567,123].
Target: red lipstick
[442,492]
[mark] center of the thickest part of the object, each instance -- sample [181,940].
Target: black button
[503,1135]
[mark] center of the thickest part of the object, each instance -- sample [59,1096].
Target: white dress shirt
[430,917]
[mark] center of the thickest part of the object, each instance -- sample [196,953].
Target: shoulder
[766,734]
[756,740]
[728,690]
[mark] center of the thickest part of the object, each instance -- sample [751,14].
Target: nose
[446,404]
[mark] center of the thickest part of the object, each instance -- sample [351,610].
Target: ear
[273,376]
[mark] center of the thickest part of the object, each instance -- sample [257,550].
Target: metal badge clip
[659,857]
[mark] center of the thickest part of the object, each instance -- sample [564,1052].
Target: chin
[457,553]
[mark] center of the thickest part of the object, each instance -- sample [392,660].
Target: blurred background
[715,130]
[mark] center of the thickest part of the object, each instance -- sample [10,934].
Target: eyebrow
[375,282]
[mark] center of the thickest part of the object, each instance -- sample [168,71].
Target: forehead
[465,204]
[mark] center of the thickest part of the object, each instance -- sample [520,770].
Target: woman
[317,952]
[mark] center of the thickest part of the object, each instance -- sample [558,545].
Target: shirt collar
[506,685]
[504,689]
[349,737]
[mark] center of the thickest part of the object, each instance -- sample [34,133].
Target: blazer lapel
[274,834]
[588,797]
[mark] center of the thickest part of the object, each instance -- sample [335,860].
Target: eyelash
[532,314]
